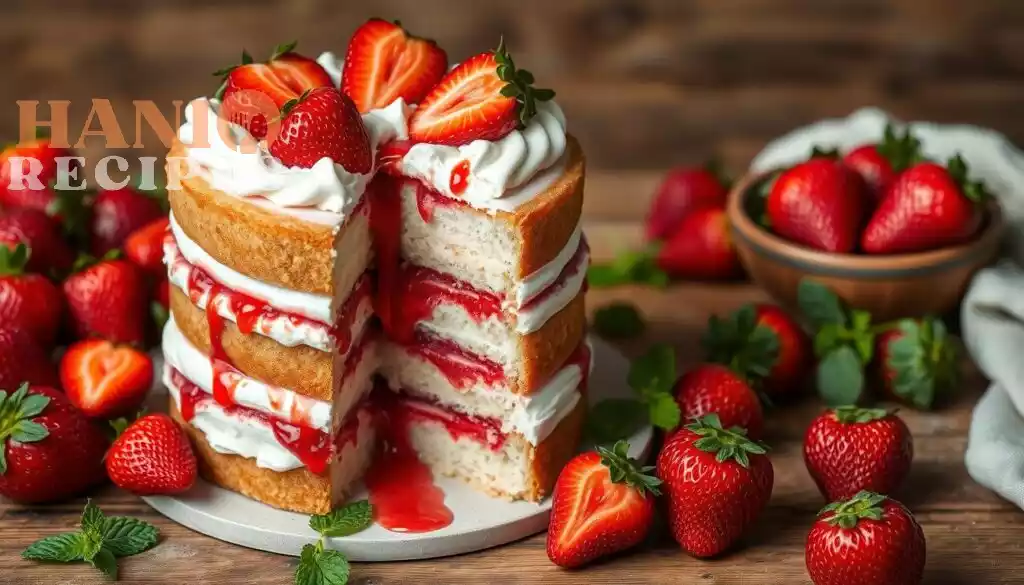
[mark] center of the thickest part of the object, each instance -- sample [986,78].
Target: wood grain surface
[973,536]
[645,83]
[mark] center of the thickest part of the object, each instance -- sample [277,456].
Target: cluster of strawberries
[715,472]
[83,270]
[880,198]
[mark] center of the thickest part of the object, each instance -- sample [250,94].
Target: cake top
[295,133]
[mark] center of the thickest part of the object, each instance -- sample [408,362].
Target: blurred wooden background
[646,83]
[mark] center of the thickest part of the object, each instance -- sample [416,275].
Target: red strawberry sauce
[459,179]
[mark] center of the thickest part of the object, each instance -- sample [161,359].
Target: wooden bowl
[889,287]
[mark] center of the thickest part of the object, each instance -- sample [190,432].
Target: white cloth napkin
[992,314]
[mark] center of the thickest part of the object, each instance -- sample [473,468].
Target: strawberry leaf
[614,419]
[976,191]
[727,444]
[16,411]
[13,261]
[840,377]
[847,514]
[924,362]
[624,469]
[853,414]
[742,344]
[902,150]
[619,320]
[819,304]
[282,50]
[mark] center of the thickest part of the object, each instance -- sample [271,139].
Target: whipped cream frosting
[312,306]
[247,172]
[534,315]
[332,65]
[249,392]
[503,174]
[537,415]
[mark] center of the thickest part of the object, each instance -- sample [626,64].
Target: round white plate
[480,521]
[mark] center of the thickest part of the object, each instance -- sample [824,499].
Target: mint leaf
[664,411]
[653,372]
[618,320]
[604,275]
[345,521]
[124,536]
[629,267]
[840,377]
[61,548]
[321,567]
[819,304]
[614,419]
[92,518]
[105,561]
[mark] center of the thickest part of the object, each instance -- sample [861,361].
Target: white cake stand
[479,521]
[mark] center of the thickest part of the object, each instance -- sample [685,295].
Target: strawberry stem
[13,261]
[846,514]
[625,469]
[853,414]
[16,413]
[726,444]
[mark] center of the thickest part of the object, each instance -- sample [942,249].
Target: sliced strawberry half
[484,98]
[105,380]
[252,93]
[384,62]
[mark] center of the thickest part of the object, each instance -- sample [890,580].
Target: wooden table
[972,535]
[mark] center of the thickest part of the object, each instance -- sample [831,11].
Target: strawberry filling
[254,315]
[402,410]
[460,367]
[313,447]
[421,290]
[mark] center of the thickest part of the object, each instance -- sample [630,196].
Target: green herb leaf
[664,411]
[614,419]
[345,521]
[61,548]
[280,50]
[32,405]
[92,517]
[624,469]
[321,567]
[819,304]
[26,431]
[654,372]
[105,561]
[618,320]
[629,267]
[740,343]
[125,536]
[840,377]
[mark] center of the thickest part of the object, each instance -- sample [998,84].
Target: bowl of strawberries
[896,225]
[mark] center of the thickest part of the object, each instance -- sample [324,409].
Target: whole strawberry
[713,388]
[819,203]
[682,191]
[28,301]
[107,299]
[916,362]
[34,229]
[701,248]
[152,456]
[867,540]
[851,449]
[21,186]
[927,207]
[323,123]
[145,246]
[879,164]
[23,359]
[603,503]
[717,481]
[764,344]
[50,451]
[118,213]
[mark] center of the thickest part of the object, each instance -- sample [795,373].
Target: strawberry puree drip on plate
[460,367]
[402,489]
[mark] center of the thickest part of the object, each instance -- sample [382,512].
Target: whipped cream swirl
[233,169]
[498,170]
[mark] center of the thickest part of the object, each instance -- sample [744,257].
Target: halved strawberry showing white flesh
[484,98]
[323,122]
[252,93]
[384,62]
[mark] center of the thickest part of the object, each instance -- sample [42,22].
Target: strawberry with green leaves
[715,389]
[765,345]
[319,565]
[929,206]
[867,540]
[844,343]
[323,123]
[602,503]
[28,301]
[717,480]
[916,362]
[879,164]
[850,449]
[100,542]
[651,376]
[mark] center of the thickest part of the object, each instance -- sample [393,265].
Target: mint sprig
[319,566]
[100,542]
[618,320]
[652,377]
[629,267]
